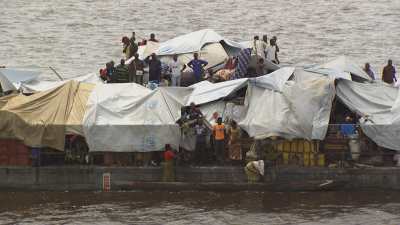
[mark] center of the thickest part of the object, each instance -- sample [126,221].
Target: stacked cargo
[14,153]
[301,152]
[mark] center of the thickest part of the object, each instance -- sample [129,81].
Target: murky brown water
[78,36]
[327,208]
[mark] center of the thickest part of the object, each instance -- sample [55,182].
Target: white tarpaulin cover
[206,91]
[144,51]
[285,114]
[11,79]
[44,85]
[340,68]
[209,109]
[192,42]
[213,53]
[378,104]
[131,118]
[275,80]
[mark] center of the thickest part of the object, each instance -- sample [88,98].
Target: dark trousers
[200,152]
[139,79]
[219,147]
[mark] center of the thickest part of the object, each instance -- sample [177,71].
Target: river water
[328,208]
[78,36]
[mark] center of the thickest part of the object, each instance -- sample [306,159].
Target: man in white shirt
[272,53]
[176,68]
[259,47]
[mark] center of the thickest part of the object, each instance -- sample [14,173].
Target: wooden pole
[57,74]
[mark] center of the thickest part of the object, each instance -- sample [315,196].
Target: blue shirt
[347,129]
[197,66]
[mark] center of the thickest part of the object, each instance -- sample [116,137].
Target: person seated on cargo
[230,63]
[261,68]
[208,75]
[254,171]
[168,165]
[194,112]
[368,70]
[228,70]
[111,72]
[121,72]
[153,38]
[197,65]
[154,68]
[389,73]
[103,73]
[223,75]
[272,54]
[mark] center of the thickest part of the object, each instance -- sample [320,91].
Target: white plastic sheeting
[275,80]
[206,91]
[378,104]
[44,85]
[213,53]
[131,118]
[340,67]
[193,42]
[209,109]
[11,79]
[284,113]
[144,51]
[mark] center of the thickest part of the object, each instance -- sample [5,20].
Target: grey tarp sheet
[341,67]
[378,104]
[11,79]
[299,108]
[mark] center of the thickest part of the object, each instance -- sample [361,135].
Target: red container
[3,142]
[12,161]
[21,150]
[4,160]
[23,161]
